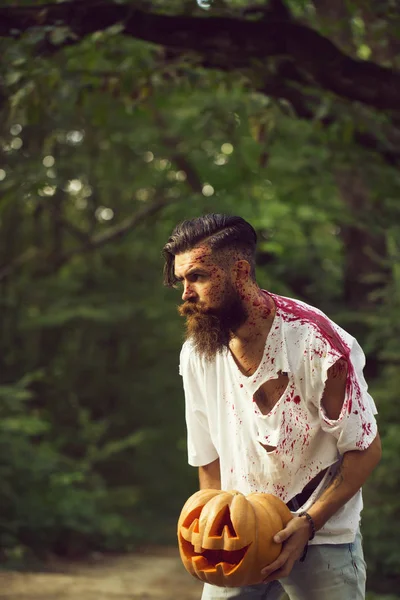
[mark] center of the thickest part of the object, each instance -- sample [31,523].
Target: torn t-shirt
[223,420]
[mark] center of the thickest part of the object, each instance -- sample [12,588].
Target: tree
[118,120]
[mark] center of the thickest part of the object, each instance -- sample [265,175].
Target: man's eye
[195,277]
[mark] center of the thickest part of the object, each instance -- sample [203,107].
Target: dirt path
[151,575]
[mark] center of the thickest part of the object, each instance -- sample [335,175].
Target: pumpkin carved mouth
[212,559]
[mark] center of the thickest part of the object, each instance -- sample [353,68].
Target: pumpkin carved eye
[193,517]
[225,538]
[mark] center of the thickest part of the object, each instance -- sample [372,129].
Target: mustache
[192,308]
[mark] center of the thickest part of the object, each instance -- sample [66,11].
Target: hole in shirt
[268,448]
[270,392]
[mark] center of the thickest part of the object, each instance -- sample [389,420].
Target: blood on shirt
[291,311]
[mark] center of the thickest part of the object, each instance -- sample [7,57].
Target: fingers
[291,528]
[283,535]
[277,565]
[284,571]
[292,550]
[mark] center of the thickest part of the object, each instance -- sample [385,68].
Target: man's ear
[241,271]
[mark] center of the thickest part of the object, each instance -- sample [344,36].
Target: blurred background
[118,120]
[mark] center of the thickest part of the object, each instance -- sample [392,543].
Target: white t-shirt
[224,422]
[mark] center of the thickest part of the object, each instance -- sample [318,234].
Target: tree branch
[221,42]
[305,107]
[78,233]
[119,230]
[90,244]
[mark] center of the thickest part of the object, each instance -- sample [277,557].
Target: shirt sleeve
[201,450]
[356,427]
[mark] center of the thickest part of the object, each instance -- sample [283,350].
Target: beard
[210,329]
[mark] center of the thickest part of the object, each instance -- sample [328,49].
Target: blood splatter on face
[203,279]
[223,304]
[212,305]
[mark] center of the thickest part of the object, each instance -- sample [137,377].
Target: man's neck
[261,310]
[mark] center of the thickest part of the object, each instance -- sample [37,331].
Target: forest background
[119,119]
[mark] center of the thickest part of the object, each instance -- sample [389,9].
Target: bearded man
[276,402]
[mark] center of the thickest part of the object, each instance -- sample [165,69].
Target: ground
[152,574]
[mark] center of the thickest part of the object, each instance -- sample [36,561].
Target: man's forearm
[356,467]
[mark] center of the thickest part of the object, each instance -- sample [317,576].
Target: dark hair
[219,232]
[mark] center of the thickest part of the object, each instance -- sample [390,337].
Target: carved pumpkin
[226,538]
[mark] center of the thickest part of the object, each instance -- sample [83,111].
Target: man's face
[211,304]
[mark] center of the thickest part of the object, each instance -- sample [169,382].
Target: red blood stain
[339,368]
[292,311]
[366,428]
[296,399]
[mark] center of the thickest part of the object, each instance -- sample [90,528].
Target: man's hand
[294,538]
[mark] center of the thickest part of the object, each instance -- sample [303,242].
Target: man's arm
[210,476]
[356,467]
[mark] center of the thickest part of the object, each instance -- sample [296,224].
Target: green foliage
[92,432]
[49,499]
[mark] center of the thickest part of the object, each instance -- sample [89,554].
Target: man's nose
[188,292]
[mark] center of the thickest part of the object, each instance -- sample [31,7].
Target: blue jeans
[329,572]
